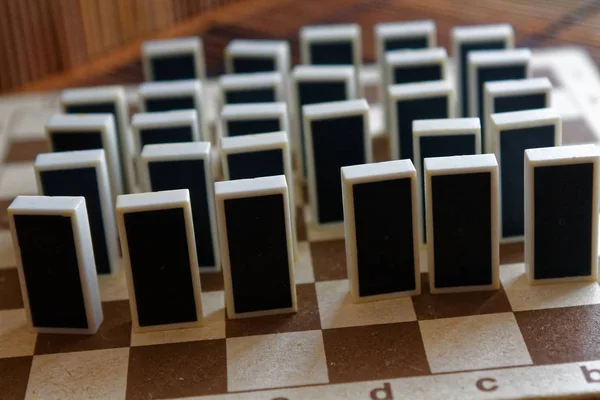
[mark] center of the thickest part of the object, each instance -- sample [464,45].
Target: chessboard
[521,341]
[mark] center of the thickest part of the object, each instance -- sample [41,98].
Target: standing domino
[157,239]
[257,87]
[442,138]
[462,223]
[513,95]
[176,95]
[561,210]
[492,66]
[83,173]
[246,119]
[106,100]
[88,132]
[413,101]
[187,166]
[247,56]
[256,156]
[164,127]
[382,230]
[471,38]
[332,45]
[317,84]
[173,59]
[411,66]
[513,133]
[336,135]
[391,36]
[256,246]
[55,262]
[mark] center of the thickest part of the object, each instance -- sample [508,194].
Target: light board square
[474,342]
[338,310]
[276,360]
[98,374]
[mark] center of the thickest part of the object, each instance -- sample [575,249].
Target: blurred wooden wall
[43,37]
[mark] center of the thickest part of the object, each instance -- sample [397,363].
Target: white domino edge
[263,142]
[153,90]
[115,95]
[441,127]
[98,94]
[454,166]
[244,188]
[154,201]
[166,90]
[333,110]
[478,34]
[522,120]
[336,33]
[279,50]
[75,209]
[511,88]
[554,156]
[253,111]
[377,172]
[87,159]
[252,81]
[173,47]
[93,124]
[173,152]
[492,58]
[412,91]
[416,57]
[164,119]
[406,30]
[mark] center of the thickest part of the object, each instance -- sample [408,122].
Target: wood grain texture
[537,23]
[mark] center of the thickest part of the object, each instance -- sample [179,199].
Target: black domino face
[337,142]
[252,126]
[513,144]
[172,68]
[464,50]
[419,73]
[170,104]
[258,253]
[71,140]
[82,182]
[462,231]
[384,237]
[490,74]
[171,134]
[243,64]
[51,271]
[266,95]
[563,220]
[442,146]
[255,164]
[338,53]
[412,109]
[405,43]
[160,266]
[99,108]
[188,174]
[520,102]
[317,92]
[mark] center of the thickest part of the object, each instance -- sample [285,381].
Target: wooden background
[537,23]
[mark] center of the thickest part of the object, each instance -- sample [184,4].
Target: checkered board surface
[520,341]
